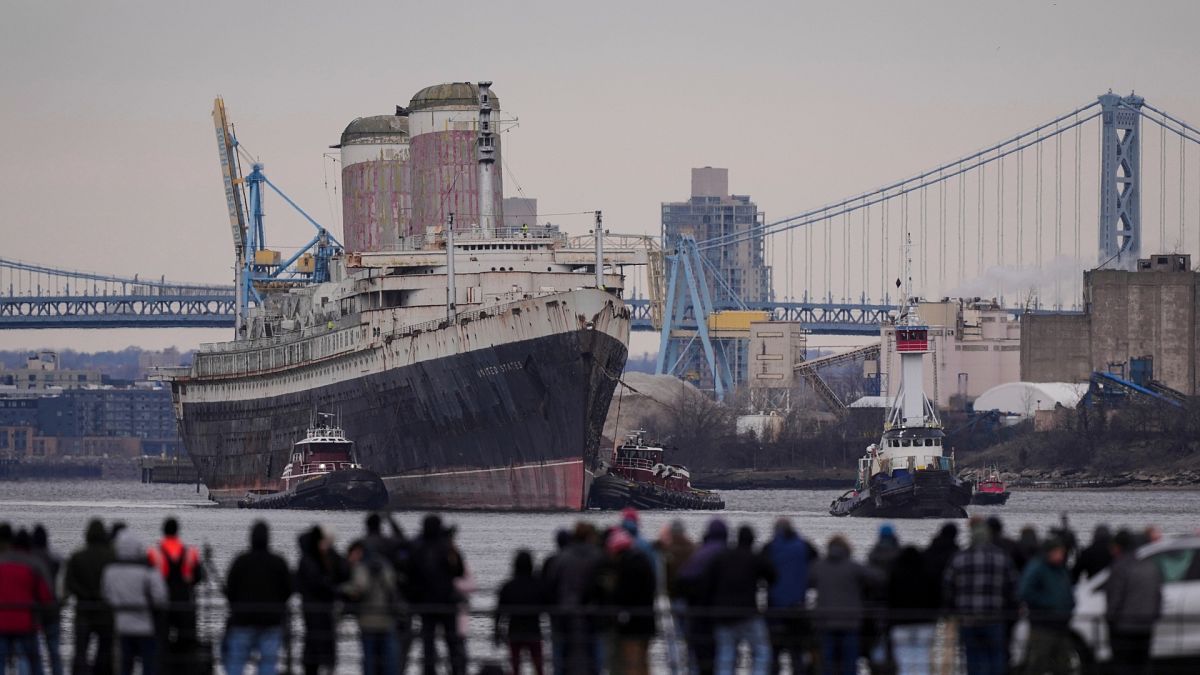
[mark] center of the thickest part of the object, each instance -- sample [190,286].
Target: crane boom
[227,151]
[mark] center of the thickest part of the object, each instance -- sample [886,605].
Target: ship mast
[911,408]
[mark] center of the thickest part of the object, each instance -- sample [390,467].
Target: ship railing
[629,463]
[304,346]
[927,640]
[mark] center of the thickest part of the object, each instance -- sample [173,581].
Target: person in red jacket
[181,569]
[23,591]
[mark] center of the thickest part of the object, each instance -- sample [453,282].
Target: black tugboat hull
[990,498]
[346,490]
[928,494]
[612,493]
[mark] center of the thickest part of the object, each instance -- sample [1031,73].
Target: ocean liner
[473,359]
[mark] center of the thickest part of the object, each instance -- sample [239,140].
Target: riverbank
[774,479]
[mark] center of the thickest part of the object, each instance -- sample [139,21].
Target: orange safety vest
[169,550]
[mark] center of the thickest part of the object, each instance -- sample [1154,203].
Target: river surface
[489,539]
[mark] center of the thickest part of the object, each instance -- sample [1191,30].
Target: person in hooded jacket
[518,614]
[93,617]
[23,592]
[735,577]
[842,586]
[1047,592]
[674,547]
[880,559]
[1134,604]
[436,565]
[375,589]
[791,555]
[570,580]
[558,625]
[51,617]
[135,591]
[912,611]
[320,572]
[938,554]
[1095,557]
[693,578]
[181,569]
[625,586]
[257,587]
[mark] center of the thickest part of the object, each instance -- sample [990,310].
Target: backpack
[178,587]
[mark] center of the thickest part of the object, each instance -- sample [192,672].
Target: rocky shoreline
[1031,479]
[1028,479]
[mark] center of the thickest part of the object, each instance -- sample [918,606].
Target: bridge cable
[1078,280]
[818,215]
[846,257]
[825,262]
[1038,214]
[979,158]
[1182,195]
[962,227]
[867,260]
[1057,218]
[941,272]
[980,204]
[924,242]
[1021,209]
[1162,189]
[883,259]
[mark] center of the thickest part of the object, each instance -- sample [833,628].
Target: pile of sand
[654,395]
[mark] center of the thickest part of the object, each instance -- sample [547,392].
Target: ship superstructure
[473,364]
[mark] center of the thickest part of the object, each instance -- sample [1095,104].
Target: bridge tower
[1120,181]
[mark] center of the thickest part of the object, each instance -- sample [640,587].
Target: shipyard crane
[258,269]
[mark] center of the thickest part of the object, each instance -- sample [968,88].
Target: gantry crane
[257,268]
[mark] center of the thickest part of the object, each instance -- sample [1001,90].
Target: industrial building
[976,345]
[1141,325]
[738,271]
[42,373]
[91,422]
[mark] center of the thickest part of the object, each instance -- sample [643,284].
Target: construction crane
[258,269]
[231,174]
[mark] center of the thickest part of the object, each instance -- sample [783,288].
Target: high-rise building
[738,270]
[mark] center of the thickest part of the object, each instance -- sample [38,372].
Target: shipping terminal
[471,358]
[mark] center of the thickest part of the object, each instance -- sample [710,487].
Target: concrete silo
[455,158]
[377,197]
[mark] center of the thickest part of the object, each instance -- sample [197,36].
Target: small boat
[638,477]
[323,474]
[991,490]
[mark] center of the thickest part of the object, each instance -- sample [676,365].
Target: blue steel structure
[36,296]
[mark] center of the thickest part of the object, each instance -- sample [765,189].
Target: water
[489,539]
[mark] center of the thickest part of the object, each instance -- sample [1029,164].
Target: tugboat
[323,474]
[907,475]
[991,490]
[639,477]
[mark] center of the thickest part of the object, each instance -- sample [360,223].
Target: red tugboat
[323,474]
[639,477]
[991,490]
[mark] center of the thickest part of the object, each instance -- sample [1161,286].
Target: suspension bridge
[1016,221]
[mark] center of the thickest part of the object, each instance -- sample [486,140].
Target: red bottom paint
[551,486]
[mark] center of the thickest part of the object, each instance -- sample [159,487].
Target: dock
[168,470]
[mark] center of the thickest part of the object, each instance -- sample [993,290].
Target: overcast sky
[109,164]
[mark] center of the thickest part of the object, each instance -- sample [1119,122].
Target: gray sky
[109,162]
